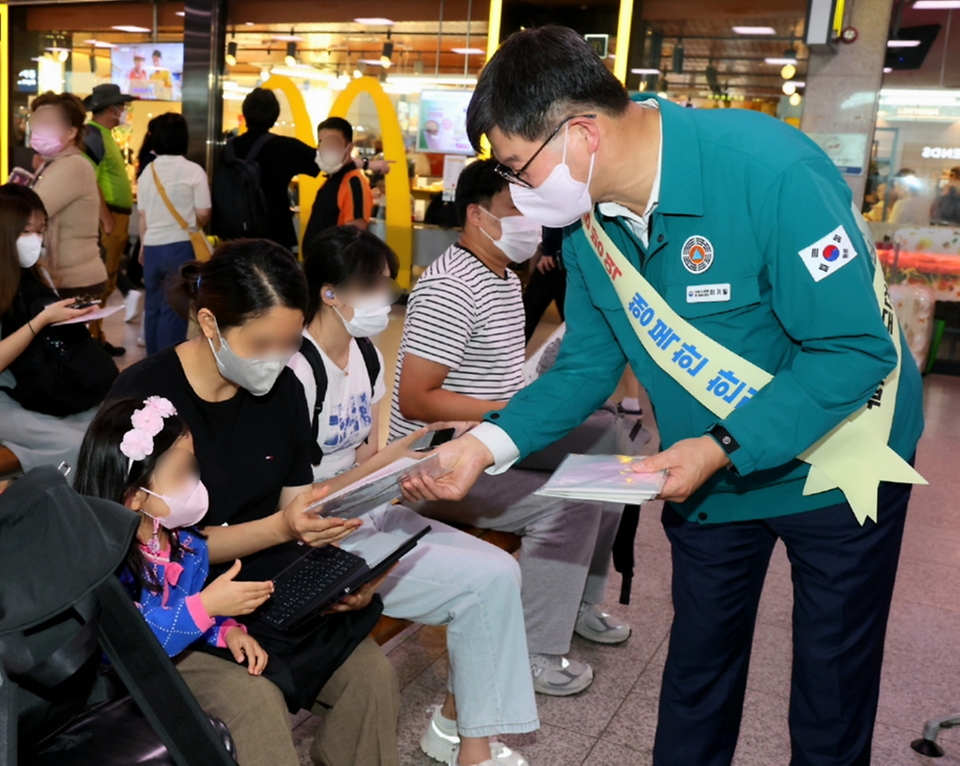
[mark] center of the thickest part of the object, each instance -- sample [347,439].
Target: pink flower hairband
[147,422]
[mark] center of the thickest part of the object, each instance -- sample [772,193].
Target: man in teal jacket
[745,229]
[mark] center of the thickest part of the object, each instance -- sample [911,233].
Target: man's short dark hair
[955,172]
[339,124]
[169,134]
[261,110]
[477,185]
[157,54]
[538,77]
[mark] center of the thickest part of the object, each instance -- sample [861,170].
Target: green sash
[853,457]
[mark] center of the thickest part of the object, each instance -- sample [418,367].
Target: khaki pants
[360,705]
[114,245]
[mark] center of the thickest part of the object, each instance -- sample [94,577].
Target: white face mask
[519,236]
[255,375]
[558,201]
[29,247]
[370,316]
[186,508]
[330,160]
[122,118]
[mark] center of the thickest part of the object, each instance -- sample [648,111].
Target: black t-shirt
[280,159]
[326,211]
[32,297]
[249,447]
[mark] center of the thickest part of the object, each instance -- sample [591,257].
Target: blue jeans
[843,575]
[162,326]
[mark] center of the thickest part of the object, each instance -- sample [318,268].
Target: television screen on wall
[152,71]
[443,122]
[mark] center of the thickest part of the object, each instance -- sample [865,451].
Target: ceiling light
[62,55]
[360,70]
[935,5]
[100,44]
[371,62]
[231,57]
[902,43]
[179,13]
[795,99]
[265,73]
[248,23]
[642,70]
[789,87]
[887,69]
[468,51]
[780,61]
[375,21]
[385,57]
[291,58]
[754,30]
[789,71]
[291,38]
[130,28]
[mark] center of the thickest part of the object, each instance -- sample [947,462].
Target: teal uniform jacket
[767,200]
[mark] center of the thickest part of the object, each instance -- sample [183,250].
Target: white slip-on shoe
[596,625]
[558,676]
[502,756]
[440,740]
[131,305]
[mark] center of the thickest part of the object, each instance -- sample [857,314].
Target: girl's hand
[59,312]
[226,597]
[312,528]
[245,647]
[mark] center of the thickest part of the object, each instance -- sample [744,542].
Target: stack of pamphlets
[378,488]
[605,479]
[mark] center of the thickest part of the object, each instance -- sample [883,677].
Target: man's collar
[681,190]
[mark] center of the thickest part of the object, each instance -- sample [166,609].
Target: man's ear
[474,214]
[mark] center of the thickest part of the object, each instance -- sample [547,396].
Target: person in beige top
[67,185]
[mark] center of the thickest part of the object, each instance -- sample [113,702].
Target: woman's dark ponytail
[244,278]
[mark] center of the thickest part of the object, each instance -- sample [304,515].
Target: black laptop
[308,581]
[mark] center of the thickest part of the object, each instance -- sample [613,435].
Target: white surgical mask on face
[519,236]
[186,508]
[255,375]
[29,247]
[370,316]
[330,160]
[558,201]
[122,118]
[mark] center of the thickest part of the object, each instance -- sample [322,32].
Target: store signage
[600,43]
[941,153]
[848,151]
[27,81]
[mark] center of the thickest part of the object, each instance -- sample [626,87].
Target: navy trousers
[843,576]
[162,325]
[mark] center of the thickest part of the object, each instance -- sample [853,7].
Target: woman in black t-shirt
[28,304]
[245,409]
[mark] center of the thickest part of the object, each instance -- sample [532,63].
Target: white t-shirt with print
[347,415]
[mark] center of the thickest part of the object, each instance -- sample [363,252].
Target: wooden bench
[390,627]
[9,465]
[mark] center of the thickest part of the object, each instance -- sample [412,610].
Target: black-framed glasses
[514,176]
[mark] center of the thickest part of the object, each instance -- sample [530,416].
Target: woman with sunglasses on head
[452,578]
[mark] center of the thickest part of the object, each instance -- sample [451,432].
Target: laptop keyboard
[305,581]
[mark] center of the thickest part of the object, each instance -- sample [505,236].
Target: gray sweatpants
[566,552]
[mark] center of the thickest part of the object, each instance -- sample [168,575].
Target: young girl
[139,453]
[28,304]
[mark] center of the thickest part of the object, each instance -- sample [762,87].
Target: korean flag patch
[828,254]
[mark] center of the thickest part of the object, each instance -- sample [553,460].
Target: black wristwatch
[724,438]
[366,163]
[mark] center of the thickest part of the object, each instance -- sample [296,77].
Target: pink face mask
[186,508]
[47,142]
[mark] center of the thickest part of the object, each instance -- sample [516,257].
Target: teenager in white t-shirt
[166,244]
[451,578]
[461,356]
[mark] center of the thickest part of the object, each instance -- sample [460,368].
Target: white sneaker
[558,676]
[502,756]
[142,342]
[440,741]
[596,625]
[131,305]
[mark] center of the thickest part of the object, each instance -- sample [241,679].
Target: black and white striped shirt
[464,316]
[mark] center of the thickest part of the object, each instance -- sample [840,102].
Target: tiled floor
[613,722]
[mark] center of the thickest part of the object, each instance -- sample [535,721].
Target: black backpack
[310,353]
[239,205]
[64,370]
